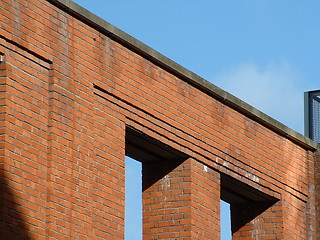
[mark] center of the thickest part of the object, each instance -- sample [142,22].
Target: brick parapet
[146,52]
[183,73]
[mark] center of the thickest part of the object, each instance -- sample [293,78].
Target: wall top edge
[187,75]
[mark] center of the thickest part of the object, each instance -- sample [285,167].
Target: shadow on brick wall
[152,172]
[243,214]
[158,159]
[12,222]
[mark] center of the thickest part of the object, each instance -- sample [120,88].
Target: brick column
[181,200]
[108,195]
[23,145]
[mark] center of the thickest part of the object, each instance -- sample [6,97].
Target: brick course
[71,87]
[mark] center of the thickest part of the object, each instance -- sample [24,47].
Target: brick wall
[71,87]
[180,200]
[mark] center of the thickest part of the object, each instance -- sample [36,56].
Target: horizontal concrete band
[183,73]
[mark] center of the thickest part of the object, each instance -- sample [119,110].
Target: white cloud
[274,89]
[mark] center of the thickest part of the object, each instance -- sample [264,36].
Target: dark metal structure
[312,114]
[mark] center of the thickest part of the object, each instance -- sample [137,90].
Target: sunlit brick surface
[68,91]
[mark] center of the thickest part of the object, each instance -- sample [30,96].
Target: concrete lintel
[192,78]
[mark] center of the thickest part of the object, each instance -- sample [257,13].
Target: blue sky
[266,52]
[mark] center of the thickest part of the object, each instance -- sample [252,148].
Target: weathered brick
[69,89]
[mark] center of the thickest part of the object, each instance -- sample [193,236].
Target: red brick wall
[24,143]
[265,225]
[180,200]
[108,173]
[316,209]
[68,91]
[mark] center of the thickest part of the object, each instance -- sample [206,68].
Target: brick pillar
[257,220]
[23,138]
[70,158]
[181,200]
[108,195]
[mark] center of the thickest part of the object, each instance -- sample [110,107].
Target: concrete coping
[183,73]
